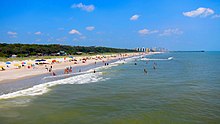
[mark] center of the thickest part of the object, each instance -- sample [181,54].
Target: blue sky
[172,24]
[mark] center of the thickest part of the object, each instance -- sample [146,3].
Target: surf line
[144,59]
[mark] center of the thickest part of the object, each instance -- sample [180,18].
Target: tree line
[24,50]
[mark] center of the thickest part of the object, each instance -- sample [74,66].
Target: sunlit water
[184,89]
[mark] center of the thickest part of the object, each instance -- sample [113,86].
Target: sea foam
[149,59]
[45,87]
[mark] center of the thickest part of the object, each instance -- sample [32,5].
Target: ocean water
[184,88]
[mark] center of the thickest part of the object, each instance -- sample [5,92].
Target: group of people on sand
[49,69]
[106,64]
[68,70]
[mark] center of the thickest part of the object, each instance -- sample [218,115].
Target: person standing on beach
[70,70]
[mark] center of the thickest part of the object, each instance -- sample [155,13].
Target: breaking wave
[45,87]
[149,59]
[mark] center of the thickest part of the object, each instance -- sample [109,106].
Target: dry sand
[15,73]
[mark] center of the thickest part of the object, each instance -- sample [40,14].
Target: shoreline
[12,75]
[13,85]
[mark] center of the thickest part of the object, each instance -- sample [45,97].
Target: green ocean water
[185,89]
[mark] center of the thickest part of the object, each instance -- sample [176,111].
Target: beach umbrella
[39,60]
[54,61]
[16,64]
[49,60]
[29,63]
[8,63]
[2,66]
[23,63]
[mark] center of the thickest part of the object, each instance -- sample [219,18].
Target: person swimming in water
[145,70]
[154,66]
[94,71]
[135,63]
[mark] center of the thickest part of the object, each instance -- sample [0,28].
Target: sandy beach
[13,72]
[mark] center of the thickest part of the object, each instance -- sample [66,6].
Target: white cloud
[90,28]
[134,17]
[12,33]
[216,16]
[38,33]
[146,31]
[74,31]
[201,12]
[88,8]
[169,32]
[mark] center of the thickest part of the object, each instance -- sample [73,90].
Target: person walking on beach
[54,74]
[46,67]
[70,70]
[66,71]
